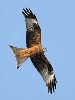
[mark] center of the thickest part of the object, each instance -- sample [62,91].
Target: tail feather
[20,60]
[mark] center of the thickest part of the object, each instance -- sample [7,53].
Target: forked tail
[20,60]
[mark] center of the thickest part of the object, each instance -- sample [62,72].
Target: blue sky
[57,21]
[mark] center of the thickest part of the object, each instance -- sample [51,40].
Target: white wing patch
[29,24]
[46,77]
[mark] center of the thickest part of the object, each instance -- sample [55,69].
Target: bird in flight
[35,51]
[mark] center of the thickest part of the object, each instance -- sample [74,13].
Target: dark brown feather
[44,67]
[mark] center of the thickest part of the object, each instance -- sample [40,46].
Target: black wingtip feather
[28,13]
[51,89]
[10,46]
[52,85]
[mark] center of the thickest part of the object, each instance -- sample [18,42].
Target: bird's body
[32,51]
[35,51]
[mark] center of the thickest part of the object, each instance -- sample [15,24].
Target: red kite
[35,51]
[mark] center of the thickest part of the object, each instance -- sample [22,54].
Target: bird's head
[43,49]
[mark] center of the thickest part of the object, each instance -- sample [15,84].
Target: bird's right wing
[44,67]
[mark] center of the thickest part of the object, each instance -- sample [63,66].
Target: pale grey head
[43,49]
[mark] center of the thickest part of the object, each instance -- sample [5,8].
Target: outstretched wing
[45,69]
[33,37]
[33,33]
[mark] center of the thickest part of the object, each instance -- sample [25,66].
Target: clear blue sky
[57,21]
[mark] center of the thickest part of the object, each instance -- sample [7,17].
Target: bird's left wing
[44,67]
[33,32]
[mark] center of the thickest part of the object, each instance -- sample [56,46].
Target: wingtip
[52,85]
[10,46]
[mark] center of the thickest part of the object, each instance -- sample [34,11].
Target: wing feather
[33,33]
[45,69]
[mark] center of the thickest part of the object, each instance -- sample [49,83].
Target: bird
[35,51]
